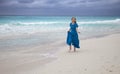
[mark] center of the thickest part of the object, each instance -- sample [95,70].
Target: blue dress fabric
[72,36]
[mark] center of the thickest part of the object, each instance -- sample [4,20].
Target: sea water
[45,29]
[88,26]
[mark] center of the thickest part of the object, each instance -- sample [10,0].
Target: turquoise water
[89,26]
[28,31]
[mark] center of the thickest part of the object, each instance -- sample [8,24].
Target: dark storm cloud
[26,1]
[60,7]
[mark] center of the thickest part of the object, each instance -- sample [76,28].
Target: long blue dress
[72,36]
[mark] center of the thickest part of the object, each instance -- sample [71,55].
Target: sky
[60,7]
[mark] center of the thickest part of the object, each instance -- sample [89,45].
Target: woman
[72,37]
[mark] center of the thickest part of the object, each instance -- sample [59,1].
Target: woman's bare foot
[74,49]
[70,49]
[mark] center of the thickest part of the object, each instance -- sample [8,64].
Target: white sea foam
[116,21]
[50,26]
[36,23]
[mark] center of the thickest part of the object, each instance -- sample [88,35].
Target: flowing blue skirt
[72,38]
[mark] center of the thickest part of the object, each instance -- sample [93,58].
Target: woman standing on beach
[72,37]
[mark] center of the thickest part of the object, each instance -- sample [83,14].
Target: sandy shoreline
[96,56]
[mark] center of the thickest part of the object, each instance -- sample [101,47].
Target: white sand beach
[96,56]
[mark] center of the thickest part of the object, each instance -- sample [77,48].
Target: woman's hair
[73,18]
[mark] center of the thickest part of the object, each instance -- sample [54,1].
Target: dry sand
[96,56]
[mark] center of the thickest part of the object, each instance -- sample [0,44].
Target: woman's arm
[77,30]
[69,30]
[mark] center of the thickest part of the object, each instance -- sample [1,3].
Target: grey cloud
[60,6]
[25,1]
[59,3]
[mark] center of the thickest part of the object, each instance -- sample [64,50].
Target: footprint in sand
[85,69]
[110,70]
